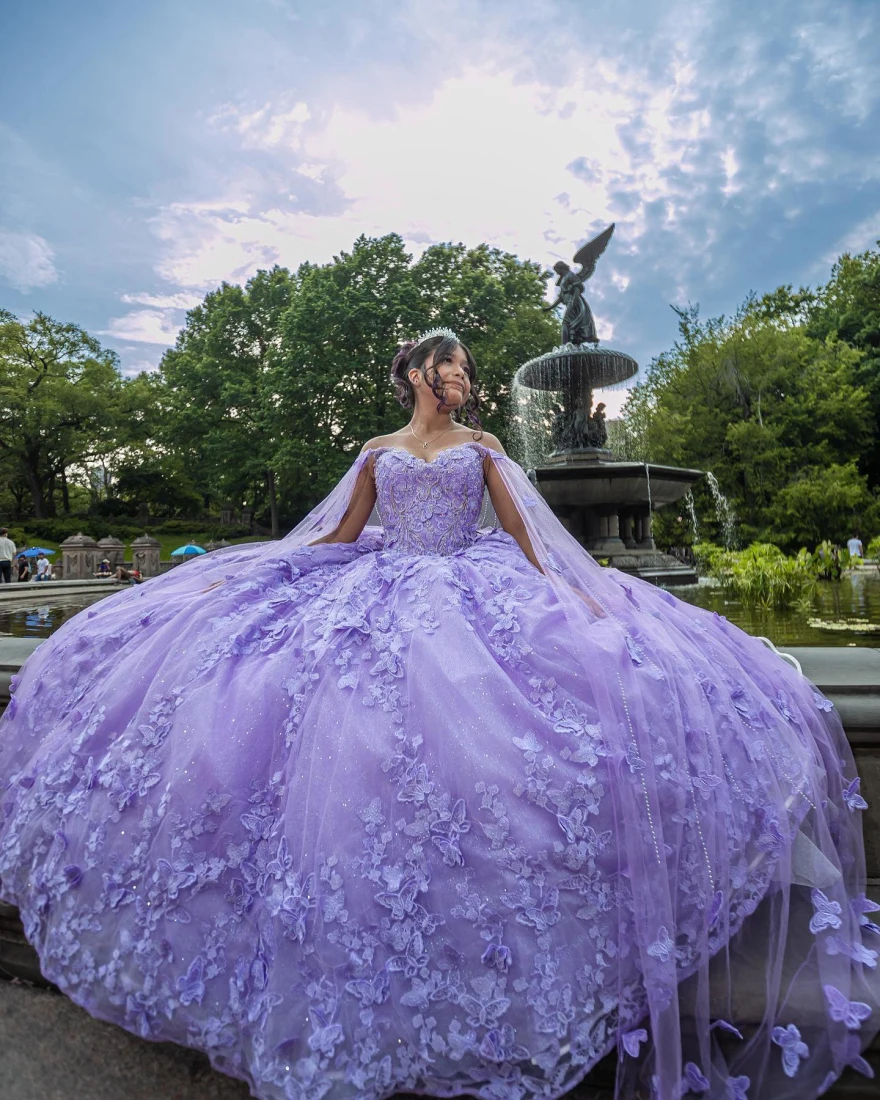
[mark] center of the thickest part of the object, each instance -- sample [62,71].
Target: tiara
[445,332]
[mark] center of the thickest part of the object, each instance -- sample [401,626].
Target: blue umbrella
[190,548]
[33,551]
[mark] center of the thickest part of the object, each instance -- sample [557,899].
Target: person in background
[104,569]
[132,576]
[854,545]
[23,566]
[44,568]
[7,553]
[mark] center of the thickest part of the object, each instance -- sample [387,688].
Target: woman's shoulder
[380,441]
[491,442]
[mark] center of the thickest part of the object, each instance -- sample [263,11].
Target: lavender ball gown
[407,815]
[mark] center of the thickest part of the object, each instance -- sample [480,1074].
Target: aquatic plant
[761,575]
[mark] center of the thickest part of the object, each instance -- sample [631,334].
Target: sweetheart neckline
[424,461]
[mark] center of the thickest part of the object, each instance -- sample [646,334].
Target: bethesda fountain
[605,501]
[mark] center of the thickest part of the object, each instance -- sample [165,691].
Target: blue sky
[149,151]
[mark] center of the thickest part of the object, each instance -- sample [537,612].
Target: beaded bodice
[430,507]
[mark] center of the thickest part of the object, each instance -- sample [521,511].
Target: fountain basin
[575,366]
[607,505]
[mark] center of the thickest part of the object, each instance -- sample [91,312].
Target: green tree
[847,308]
[58,404]
[220,404]
[821,502]
[756,400]
[346,321]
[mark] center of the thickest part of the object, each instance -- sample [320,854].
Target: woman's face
[454,379]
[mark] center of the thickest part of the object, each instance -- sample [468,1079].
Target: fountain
[607,503]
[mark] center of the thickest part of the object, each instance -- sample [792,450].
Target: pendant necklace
[423,443]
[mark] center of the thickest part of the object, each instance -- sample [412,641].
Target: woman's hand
[592,604]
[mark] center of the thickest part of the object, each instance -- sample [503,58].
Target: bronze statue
[598,431]
[578,326]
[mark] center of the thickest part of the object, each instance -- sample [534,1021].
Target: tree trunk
[32,471]
[65,494]
[273,502]
[49,502]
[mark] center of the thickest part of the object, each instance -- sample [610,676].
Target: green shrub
[762,576]
[192,527]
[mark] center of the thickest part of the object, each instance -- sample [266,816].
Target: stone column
[626,530]
[113,550]
[79,557]
[605,532]
[646,539]
[145,555]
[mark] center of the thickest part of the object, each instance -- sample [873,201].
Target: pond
[841,613]
[38,618]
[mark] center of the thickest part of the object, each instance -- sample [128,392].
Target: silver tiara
[446,332]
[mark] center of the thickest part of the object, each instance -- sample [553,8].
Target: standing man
[854,545]
[7,553]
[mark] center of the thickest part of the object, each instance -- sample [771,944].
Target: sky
[150,151]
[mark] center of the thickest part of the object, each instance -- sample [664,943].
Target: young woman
[435,808]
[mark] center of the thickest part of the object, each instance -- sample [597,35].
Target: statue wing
[589,253]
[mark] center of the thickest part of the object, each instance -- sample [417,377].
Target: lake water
[38,618]
[841,613]
[846,609]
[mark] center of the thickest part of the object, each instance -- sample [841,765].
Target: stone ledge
[50,1049]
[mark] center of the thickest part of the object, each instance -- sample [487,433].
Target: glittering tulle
[409,815]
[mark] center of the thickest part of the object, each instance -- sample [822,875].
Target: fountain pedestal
[607,503]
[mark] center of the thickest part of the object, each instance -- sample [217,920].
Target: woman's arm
[506,511]
[363,499]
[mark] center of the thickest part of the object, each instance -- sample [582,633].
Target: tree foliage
[779,401]
[59,405]
[272,388]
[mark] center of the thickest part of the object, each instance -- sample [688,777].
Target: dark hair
[412,355]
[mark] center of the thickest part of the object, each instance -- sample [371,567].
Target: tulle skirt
[355,822]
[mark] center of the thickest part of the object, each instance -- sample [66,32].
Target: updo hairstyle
[412,355]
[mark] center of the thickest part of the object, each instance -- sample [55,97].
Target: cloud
[267,127]
[437,170]
[26,260]
[730,145]
[131,365]
[144,326]
[163,301]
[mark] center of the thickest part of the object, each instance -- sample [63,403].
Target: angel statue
[578,326]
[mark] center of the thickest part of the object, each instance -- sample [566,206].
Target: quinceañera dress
[407,815]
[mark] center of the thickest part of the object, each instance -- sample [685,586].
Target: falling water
[648,480]
[692,513]
[725,513]
[533,412]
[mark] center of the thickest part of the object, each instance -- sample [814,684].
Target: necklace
[423,443]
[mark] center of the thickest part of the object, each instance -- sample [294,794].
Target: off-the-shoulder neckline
[424,461]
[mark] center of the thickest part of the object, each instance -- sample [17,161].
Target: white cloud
[861,237]
[132,367]
[26,260]
[144,326]
[267,127]
[163,301]
[482,161]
